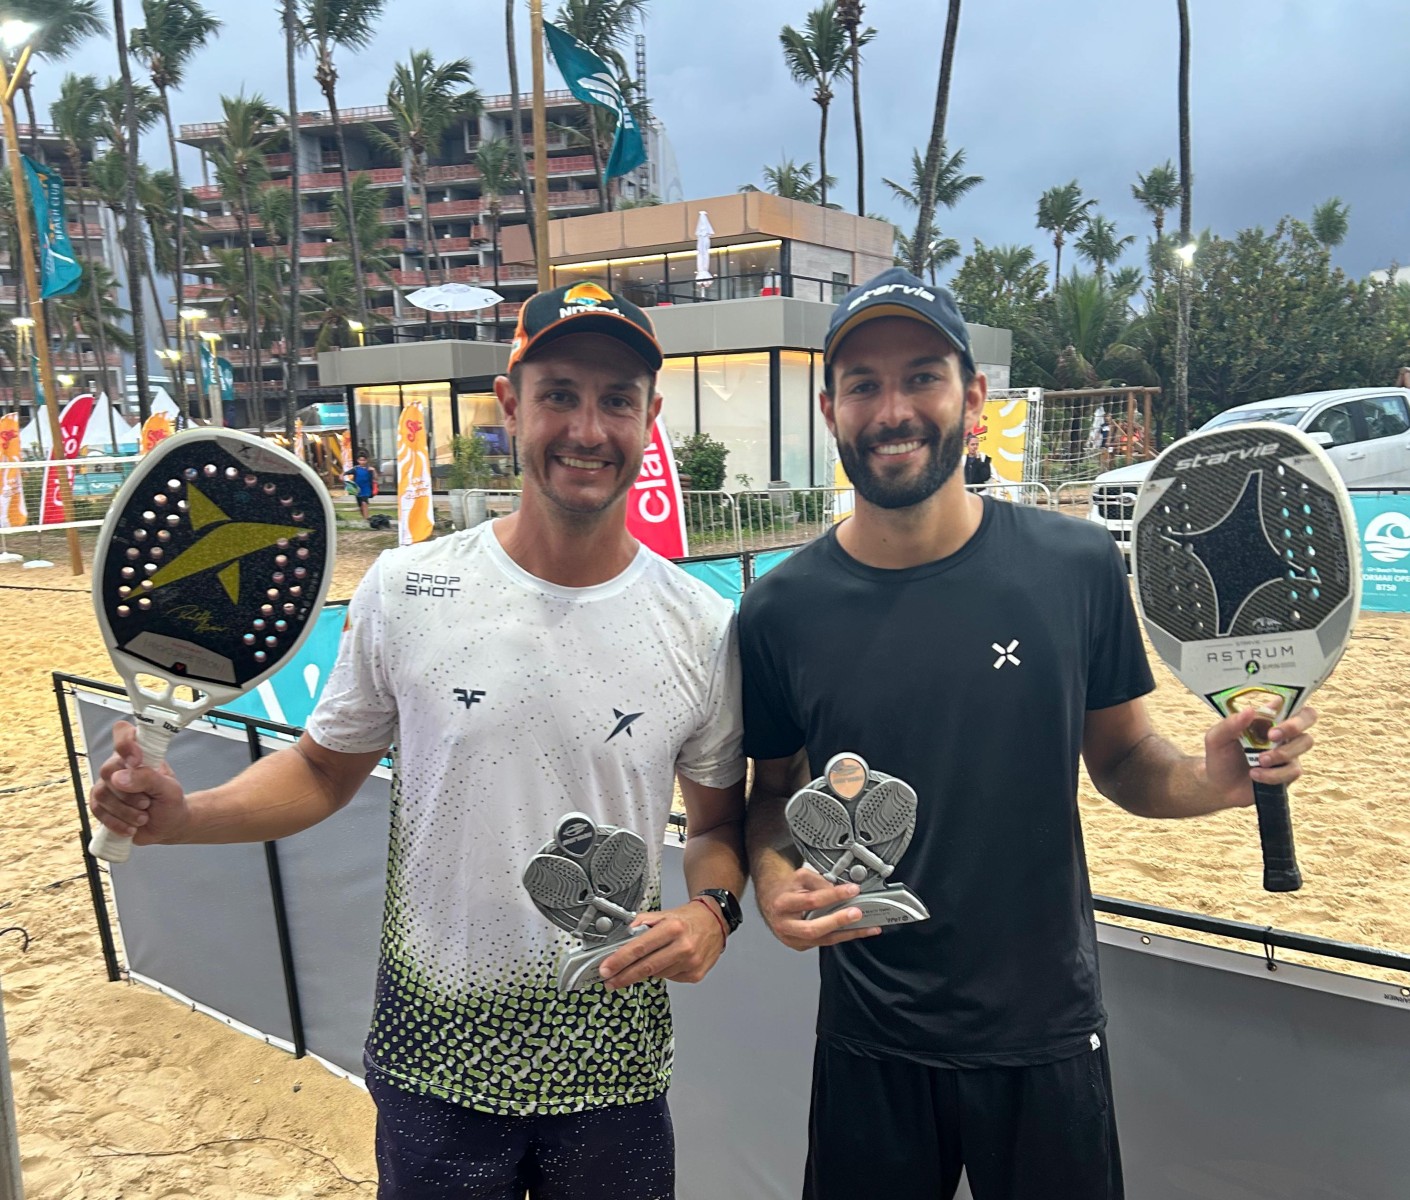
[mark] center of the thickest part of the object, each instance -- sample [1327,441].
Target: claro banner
[1383,521]
[655,510]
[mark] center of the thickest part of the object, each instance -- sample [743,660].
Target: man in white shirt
[542,664]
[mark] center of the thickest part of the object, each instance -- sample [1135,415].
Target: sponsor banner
[345,454]
[156,428]
[1003,436]
[591,80]
[13,513]
[59,269]
[414,520]
[1383,522]
[655,510]
[73,424]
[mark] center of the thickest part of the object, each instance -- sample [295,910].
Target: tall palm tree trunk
[100,341]
[857,122]
[822,156]
[1057,261]
[293,320]
[518,128]
[1182,327]
[925,215]
[432,250]
[132,233]
[354,248]
[604,202]
[251,310]
[180,274]
[494,266]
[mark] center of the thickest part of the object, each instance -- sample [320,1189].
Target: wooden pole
[540,149]
[19,185]
[1130,427]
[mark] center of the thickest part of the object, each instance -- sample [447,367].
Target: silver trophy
[853,825]
[589,880]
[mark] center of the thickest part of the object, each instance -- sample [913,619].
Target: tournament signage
[1384,525]
[156,428]
[73,423]
[414,521]
[592,82]
[60,272]
[655,509]
[13,513]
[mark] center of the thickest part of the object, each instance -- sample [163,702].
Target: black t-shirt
[968,678]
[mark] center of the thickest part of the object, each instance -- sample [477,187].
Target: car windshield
[1284,416]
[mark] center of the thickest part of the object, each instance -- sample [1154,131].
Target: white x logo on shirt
[1006,654]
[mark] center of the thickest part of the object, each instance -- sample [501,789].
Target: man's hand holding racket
[1227,770]
[135,801]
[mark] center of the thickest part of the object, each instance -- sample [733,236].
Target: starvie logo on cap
[887,289]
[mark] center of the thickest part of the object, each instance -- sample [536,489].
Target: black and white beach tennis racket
[210,570]
[1247,576]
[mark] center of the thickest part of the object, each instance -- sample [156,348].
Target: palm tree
[793,181]
[604,27]
[333,304]
[951,183]
[132,234]
[818,57]
[93,312]
[941,250]
[493,161]
[341,25]
[77,116]
[367,222]
[1182,325]
[1099,244]
[175,31]
[518,134]
[1329,222]
[936,146]
[241,170]
[426,99]
[63,25]
[1062,210]
[849,16]
[1158,191]
[293,328]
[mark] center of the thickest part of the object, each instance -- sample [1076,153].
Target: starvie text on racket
[1211,460]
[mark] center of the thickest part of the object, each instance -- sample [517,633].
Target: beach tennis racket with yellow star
[1248,579]
[210,570]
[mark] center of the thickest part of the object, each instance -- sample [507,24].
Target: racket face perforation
[556,883]
[618,867]
[819,820]
[189,559]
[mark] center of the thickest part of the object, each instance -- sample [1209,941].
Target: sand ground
[124,1093]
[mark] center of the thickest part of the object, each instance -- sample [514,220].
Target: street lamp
[357,327]
[65,380]
[19,35]
[1186,253]
[187,317]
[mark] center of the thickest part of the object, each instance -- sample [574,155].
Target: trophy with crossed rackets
[588,880]
[853,825]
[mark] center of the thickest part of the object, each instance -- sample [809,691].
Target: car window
[1385,416]
[1336,421]
[1284,416]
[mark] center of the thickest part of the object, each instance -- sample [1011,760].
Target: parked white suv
[1365,432]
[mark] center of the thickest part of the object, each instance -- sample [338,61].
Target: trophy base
[894,904]
[579,969]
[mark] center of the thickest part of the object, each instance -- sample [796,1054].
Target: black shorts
[429,1149]
[898,1129]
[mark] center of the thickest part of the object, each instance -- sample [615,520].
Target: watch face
[729,906]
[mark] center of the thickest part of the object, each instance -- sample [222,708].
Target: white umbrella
[704,231]
[453,297]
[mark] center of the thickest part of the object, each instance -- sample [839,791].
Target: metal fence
[93,481]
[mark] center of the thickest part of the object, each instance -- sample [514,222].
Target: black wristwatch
[729,906]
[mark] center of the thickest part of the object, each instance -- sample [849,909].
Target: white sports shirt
[512,701]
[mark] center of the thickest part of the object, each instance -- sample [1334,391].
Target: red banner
[73,424]
[655,510]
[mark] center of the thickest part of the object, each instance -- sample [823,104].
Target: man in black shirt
[973,649]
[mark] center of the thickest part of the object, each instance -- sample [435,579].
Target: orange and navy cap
[583,308]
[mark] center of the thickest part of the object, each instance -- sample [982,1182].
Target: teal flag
[215,369]
[592,82]
[58,265]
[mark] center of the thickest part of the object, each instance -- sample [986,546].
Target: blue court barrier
[287,697]
[1383,522]
[724,574]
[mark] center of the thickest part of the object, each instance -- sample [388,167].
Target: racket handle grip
[1280,870]
[153,737]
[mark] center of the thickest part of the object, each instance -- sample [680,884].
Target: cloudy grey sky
[1293,101]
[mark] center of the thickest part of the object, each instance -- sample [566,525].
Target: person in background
[364,484]
[977,467]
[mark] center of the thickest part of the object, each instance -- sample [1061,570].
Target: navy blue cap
[898,293]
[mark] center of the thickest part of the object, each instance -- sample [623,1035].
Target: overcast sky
[1292,101]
